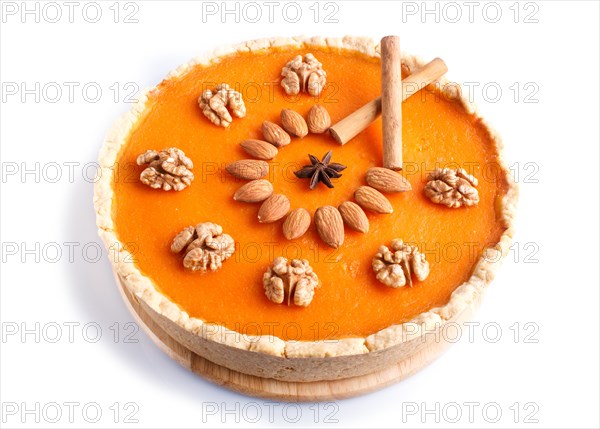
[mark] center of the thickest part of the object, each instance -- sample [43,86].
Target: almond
[371,199]
[354,216]
[274,208]
[296,224]
[248,169]
[275,135]
[386,180]
[259,149]
[254,192]
[330,226]
[319,120]
[294,123]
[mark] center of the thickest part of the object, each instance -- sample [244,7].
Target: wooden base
[270,388]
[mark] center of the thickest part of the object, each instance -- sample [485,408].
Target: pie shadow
[93,290]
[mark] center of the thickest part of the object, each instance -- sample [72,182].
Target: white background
[548,285]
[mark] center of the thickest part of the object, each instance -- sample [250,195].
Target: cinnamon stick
[391,102]
[346,129]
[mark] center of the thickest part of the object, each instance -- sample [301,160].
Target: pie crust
[270,356]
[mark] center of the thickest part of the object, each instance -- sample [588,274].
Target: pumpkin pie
[297,258]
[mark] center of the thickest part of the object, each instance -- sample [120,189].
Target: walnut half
[215,104]
[205,247]
[303,75]
[167,169]
[453,188]
[394,267]
[293,281]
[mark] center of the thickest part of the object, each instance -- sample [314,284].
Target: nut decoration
[167,169]
[452,188]
[248,169]
[290,281]
[371,199]
[296,224]
[217,105]
[274,208]
[254,191]
[330,226]
[303,75]
[394,267]
[205,247]
[318,120]
[386,180]
[354,216]
[329,220]
[259,149]
[275,135]
[294,123]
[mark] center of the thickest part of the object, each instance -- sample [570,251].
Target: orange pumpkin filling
[350,302]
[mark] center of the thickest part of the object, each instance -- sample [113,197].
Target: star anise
[320,171]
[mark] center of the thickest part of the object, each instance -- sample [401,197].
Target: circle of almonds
[329,220]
